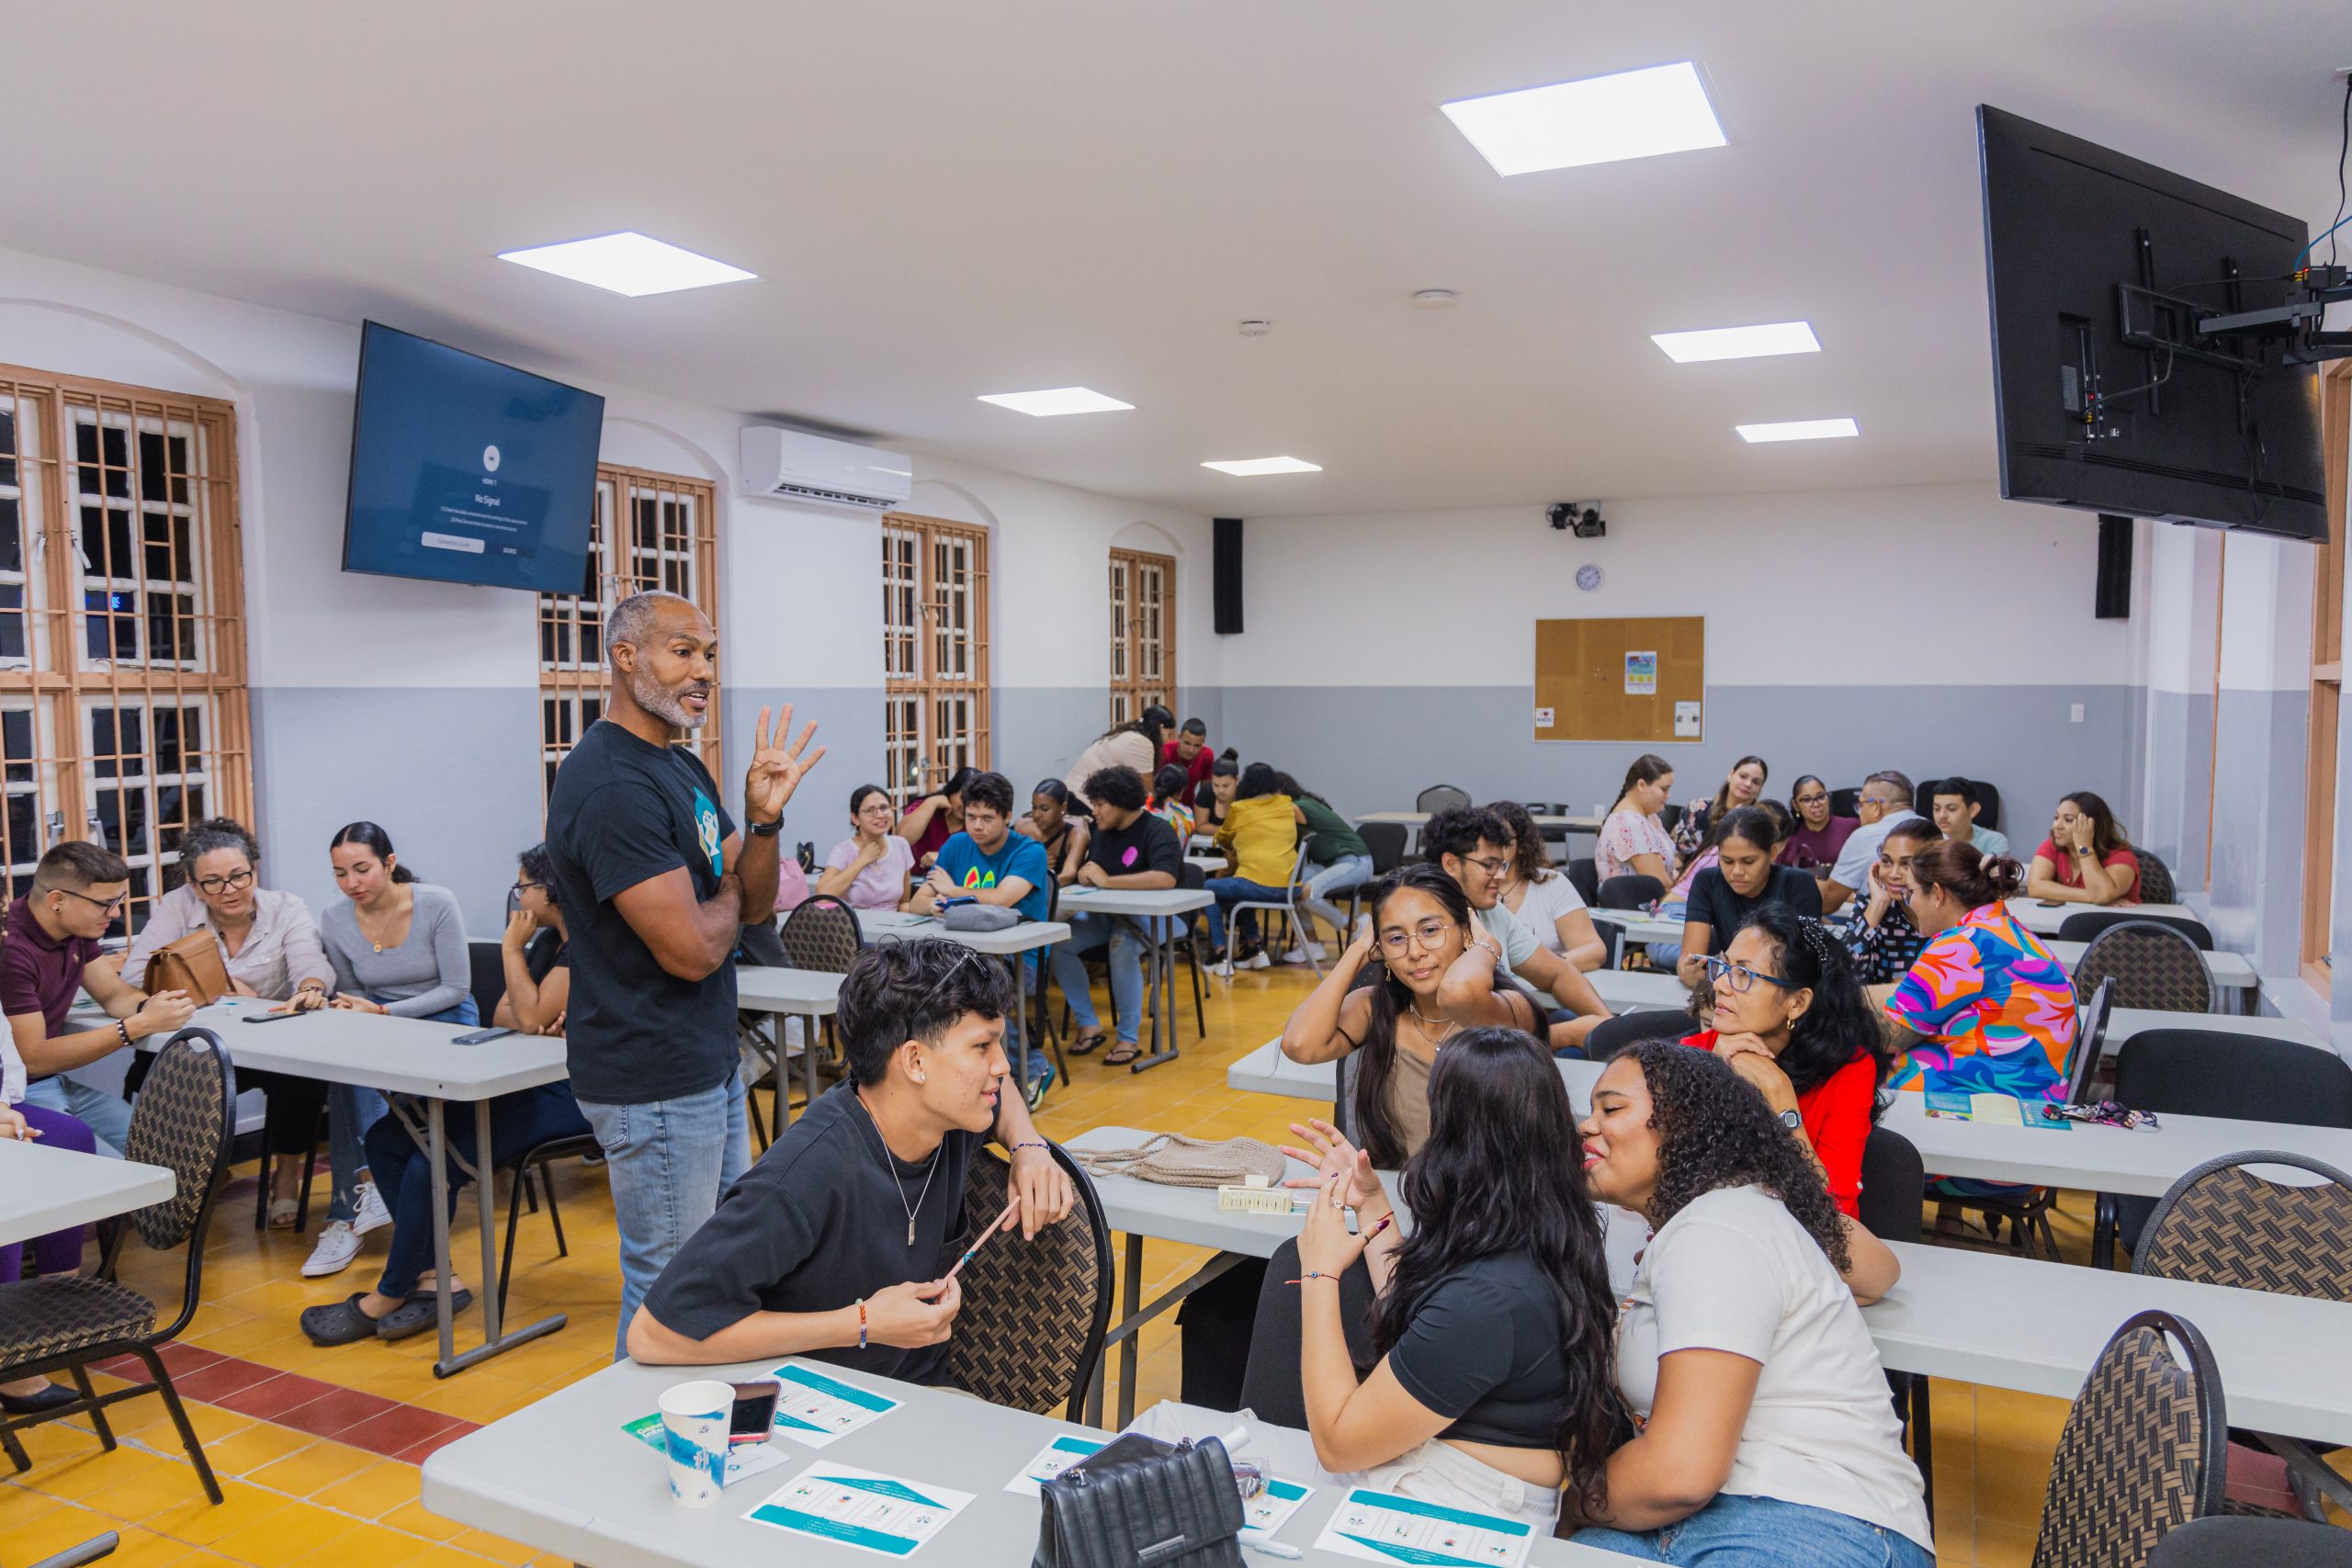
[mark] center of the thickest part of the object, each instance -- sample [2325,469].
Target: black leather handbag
[1140,1502]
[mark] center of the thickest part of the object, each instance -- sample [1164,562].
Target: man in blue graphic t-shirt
[989,862]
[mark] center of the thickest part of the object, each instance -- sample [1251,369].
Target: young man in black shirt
[1130,848]
[807,1255]
[657,885]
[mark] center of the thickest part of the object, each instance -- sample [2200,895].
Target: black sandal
[418,1314]
[1127,1052]
[341,1323]
[1087,1044]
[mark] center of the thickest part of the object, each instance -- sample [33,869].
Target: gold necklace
[373,941]
[1444,1027]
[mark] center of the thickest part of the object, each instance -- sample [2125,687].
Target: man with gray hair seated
[1887,800]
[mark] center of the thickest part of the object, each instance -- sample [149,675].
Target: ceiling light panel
[1056,400]
[1251,467]
[1601,120]
[627,262]
[1738,342]
[1799,430]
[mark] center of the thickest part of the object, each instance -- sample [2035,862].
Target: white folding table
[418,1059]
[561,1475]
[2043,918]
[44,1188]
[799,993]
[896,925]
[1142,910]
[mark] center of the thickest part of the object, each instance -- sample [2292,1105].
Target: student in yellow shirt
[1259,835]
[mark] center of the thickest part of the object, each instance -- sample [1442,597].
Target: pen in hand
[1003,1222]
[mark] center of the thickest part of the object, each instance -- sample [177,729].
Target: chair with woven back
[2152,966]
[1035,1311]
[821,933]
[2227,1223]
[2156,885]
[185,1122]
[2142,1451]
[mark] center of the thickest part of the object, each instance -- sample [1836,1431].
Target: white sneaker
[1305,952]
[1258,960]
[372,1213]
[1223,969]
[338,1245]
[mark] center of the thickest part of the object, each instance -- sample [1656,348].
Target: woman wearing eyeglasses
[1821,833]
[270,948]
[1791,1018]
[538,979]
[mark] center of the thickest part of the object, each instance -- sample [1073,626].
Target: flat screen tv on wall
[466,470]
[2110,394]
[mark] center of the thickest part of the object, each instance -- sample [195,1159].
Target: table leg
[1021,1012]
[1133,1314]
[436,1145]
[1161,998]
[486,1217]
[1130,1303]
[496,1339]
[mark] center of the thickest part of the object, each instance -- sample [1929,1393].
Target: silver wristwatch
[1792,1120]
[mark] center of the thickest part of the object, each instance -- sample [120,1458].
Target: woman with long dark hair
[1169,803]
[1540,899]
[1742,880]
[1821,833]
[1744,785]
[2086,859]
[1135,746]
[936,817]
[1054,822]
[870,869]
[1214,797]
[1634,840]
[1436,978]
[1489,1383]
[1987,1008]
[1766,1434]
[1791,1020]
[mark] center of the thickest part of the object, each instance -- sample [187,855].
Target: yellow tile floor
[295,1499]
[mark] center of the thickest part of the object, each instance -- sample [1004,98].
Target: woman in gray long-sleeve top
[399,946]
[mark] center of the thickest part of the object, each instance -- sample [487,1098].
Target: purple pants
[60,1252]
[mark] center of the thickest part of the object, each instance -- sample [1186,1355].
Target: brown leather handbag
[193,964]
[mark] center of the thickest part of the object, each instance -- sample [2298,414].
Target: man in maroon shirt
[1191,752]
[50,956]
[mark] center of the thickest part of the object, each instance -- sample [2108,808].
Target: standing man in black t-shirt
[657,884]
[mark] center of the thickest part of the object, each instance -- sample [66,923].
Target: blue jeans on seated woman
[1764,1532]
[404,1178]
[1236,890]
[1347,872]
[351,1110]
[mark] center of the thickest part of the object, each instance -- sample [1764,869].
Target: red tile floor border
[382,1426]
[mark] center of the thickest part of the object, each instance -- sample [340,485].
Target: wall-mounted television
[2110,393]
[466,470]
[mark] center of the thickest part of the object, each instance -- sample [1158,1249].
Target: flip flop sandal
[1087,1044]
[1127,1052]
[417,1314]
[282,1212]
[340,1323]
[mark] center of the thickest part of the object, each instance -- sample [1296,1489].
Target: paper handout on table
[886,1515]
[816,1409]
[1381,1527]
[1066,1450]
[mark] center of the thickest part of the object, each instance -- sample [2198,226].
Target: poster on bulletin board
[1639,679]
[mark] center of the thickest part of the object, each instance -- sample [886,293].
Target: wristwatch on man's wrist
[766,829]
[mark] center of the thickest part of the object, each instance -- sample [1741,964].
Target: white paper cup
[694,1418]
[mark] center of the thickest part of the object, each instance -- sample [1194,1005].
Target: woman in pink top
[1634,842]
[868,870]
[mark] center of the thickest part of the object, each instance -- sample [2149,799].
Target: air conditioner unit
[791,465]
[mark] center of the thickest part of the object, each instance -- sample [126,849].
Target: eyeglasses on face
[1430,933]
[113,905]
[1813,797]
[1493,866]
[527,887]
[231,883]
[1739,977]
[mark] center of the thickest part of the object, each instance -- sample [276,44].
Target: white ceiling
[949,198]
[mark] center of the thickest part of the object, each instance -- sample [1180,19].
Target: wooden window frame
[188,482]
[1135,685]
[936,694]
[683,550]
[2326,684]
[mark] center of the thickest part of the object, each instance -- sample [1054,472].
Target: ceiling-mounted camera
[1581,518]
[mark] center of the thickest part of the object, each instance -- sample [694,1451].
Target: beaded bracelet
[1311,1274]
[861,1322]
[1029,1143]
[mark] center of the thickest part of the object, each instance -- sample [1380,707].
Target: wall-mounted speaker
[1227,576]
[2112,601]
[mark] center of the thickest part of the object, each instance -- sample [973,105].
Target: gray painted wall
[2180,782]
[1372,749]
[2258,782]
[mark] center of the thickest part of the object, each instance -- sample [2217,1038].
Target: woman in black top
[1214,797]
[1742,879]
[1489,1387]
[538,979]
[1053,822]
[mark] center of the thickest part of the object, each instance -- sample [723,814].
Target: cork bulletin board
[1640,679]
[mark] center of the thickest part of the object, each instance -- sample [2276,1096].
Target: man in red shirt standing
[1191,752]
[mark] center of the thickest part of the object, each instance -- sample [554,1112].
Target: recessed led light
[627,262]
[1601,120]
[1251,468]
[1799,430]
[1055,400]
[1738,342]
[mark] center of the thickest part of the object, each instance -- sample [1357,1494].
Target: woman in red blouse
[1791,1020]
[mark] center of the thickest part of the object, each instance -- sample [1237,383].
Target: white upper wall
[1928,585]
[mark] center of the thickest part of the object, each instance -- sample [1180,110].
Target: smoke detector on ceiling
[1434,299]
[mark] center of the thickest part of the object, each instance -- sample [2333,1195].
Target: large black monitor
[466,470]
[2108,396]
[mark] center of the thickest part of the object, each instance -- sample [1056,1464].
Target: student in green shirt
[1339,855]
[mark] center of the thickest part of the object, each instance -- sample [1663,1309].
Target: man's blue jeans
[667,1161]
[1089,932]
[1764,1532]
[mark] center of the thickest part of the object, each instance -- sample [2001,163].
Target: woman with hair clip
[1489,1382]
[936,817]
[1634,840]
[1764,1435]
[1987,1008]
[1791,1020]
[2086,859]
[1135,746]
[1542,900]
[1053,822]
[1744,785]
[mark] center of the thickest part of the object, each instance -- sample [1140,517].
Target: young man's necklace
[891,1167]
